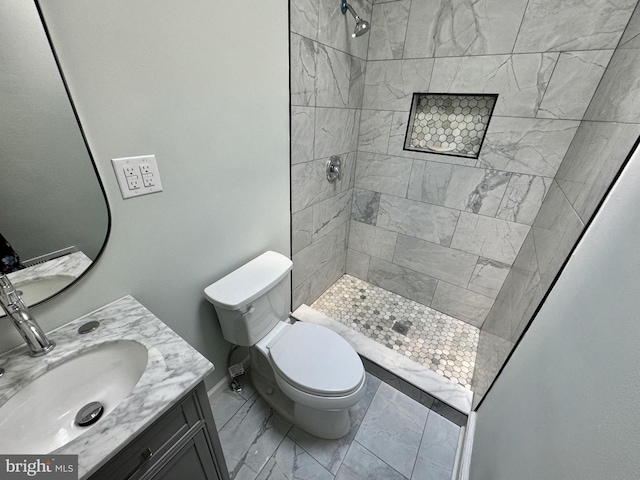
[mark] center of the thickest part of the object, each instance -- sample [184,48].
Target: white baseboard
[223,384]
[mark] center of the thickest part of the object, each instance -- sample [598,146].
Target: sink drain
[89,414]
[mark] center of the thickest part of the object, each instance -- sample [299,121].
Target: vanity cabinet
[182,444]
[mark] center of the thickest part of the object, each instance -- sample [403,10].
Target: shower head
[362,26]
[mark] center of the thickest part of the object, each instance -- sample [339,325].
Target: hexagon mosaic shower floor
[442,343]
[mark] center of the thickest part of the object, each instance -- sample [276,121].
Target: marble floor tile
[225,405]
[438,445]
[256,448]
[250,438]
[392,429]
[429,471]
[331,453]
[361,464]
[291,462]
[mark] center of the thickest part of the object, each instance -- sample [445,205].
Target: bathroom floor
[442,343]
[392,437]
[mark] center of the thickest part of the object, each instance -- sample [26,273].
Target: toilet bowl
[306,372]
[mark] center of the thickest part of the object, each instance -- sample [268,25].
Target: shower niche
[449,123]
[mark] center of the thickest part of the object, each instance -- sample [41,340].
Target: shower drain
[400,327]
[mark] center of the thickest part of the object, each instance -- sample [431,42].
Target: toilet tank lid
[248,282]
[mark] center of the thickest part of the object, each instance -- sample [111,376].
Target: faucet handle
[8,293]
[22,319]
[6,288]
[4,281]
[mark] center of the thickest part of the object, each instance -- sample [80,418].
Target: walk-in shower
[474,243]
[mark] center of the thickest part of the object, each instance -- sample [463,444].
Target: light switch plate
[137,175]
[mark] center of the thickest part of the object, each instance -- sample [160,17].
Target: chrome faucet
[17,311]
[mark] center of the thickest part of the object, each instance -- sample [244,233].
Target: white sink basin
[40,417]
[37,289]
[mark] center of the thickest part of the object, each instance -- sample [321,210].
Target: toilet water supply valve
[236,372]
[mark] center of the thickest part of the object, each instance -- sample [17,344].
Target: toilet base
[327,424]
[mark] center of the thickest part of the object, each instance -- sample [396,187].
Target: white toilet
[307,373]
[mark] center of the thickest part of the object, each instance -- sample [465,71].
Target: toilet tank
[252,299]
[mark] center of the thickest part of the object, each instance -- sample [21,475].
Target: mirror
[53,210]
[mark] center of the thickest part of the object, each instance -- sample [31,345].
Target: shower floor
[441,343]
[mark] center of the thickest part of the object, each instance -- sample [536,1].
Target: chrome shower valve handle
[334,166]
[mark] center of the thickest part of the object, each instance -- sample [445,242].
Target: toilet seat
[317,361]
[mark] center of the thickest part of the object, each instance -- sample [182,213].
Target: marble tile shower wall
[444,230]
[327,84]
[608,132]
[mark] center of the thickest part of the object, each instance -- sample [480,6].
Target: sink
[37,289]
[40,417]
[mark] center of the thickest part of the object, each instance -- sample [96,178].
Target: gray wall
[566,405]
[327,79]
[605,137]
[178,81]
[43,209]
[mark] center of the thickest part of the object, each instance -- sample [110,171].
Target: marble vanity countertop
[72,265]
[173,368]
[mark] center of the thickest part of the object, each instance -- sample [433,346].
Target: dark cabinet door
[193,461]
[183,444]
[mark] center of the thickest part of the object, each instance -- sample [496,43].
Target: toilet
[307,373]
